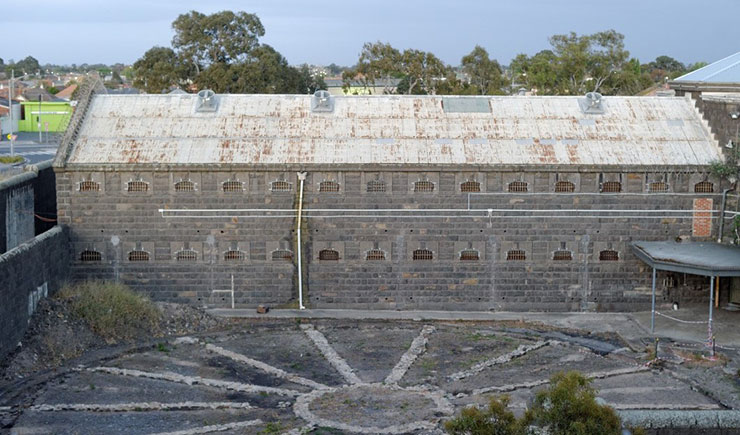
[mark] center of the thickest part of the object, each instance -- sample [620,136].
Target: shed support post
[652,313]
[710,336]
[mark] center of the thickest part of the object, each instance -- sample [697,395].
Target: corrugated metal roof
[281,129]
[725,70]
[703,258]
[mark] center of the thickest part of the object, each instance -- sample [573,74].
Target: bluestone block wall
[28,272]
[114,222]
[21,196]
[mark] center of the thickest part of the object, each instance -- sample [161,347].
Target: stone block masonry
[21,198]
[379,240]
[28,272]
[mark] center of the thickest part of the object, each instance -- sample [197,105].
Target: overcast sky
[326,31]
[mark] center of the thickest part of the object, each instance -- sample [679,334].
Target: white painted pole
[232,291]
[10,106]
[710,333]
[301,178]
[652,315]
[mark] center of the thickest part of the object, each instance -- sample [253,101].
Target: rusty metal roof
[411,130]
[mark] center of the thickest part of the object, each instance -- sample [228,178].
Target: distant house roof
[338,83]
[726,70]
[34,93]
[124,91]
[67,92]
[249,130]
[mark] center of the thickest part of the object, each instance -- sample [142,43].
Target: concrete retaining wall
[22,196]
[29,272]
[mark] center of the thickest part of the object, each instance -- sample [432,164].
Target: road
[33,152]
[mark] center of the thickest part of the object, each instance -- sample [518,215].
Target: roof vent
[592,103]
[207,101]
[322,101]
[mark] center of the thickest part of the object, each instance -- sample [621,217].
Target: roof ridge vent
[592,104]
[322,101]
[207,101]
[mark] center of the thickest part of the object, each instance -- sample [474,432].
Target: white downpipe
[301,178]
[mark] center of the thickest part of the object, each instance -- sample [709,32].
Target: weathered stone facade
[470,203]
[187,256]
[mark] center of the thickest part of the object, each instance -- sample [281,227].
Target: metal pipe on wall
[299,248]
[722,214]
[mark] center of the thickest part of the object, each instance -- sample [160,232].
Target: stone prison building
[408,202]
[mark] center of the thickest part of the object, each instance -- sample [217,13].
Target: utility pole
[10,106]
[38,118]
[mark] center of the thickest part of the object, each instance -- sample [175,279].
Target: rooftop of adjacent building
[725,70]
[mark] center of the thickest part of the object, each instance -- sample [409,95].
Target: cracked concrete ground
[348,376]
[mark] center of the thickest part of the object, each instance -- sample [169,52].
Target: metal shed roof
[397,130]
[725,70]
[698,258]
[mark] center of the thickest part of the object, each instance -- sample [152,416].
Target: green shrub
[112,310]
[496,420]
[569,407]
[10,159]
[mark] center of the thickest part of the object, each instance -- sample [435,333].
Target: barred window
[282,255]
[608,255]
[328,255]
[564,187]
[232,186]
[138,256]
[518,186]
[375,186]
[186,255]
[234,255]
[516,255]
[89,186]
[184,186]
[329,186]
[91,256]
[470,187]
[658,186]
[469,255]
[137,186]
[611,187]
[704,187]
[375,255]
[424,186]
[422,255]
[562,255]
[280,186]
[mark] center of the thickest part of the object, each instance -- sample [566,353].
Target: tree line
[573,65]
[222,52]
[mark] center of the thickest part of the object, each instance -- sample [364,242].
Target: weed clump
[567,407]
[495,420]
[112,310]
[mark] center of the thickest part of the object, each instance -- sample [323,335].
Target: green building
[54,116]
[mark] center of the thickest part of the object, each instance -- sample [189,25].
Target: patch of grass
[10,159]
[162,347]
[112,310]
[477,336]
[272,427]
